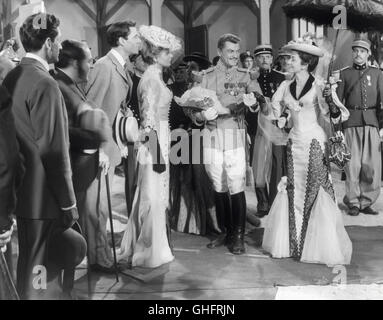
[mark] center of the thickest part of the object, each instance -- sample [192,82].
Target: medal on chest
[369,81]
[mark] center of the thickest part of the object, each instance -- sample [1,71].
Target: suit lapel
[70,84]
[118,66]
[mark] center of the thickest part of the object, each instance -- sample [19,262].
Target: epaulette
[343,69]
[279,72]
[243,70]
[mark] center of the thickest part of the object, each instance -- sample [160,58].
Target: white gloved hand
[209,114]
[104,162]
[124,152]
[250,100]
[5,238]
[282,121]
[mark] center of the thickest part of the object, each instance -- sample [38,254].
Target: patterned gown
[145,242]
[305,222]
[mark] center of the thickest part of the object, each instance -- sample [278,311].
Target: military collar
[221,67]
[265,71]
[360,67]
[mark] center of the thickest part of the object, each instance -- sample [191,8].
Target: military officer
[361,91]
[224,153]
[269,81]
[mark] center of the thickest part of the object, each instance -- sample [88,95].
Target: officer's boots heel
[239,216]
[223,212]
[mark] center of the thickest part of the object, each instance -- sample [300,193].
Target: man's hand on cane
[104,162]
[5,238]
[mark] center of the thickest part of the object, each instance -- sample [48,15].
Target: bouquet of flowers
[201,99]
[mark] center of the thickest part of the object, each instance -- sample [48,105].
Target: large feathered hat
[305,45]
[161,38]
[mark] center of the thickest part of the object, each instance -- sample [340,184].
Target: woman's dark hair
[37,29]
[71,51]
[118,30]
[309,60]
[215,60]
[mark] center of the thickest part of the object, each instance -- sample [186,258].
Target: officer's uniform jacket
[361,91]
[233,82]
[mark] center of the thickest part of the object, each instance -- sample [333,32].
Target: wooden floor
[203,274]
[200,273]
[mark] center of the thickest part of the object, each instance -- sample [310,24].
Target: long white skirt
[326,242]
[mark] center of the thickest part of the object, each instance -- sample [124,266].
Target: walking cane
[111,226]
[6,278]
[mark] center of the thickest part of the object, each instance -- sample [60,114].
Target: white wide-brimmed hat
[304,46]
[160,38]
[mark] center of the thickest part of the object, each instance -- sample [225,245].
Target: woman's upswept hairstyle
[149,52]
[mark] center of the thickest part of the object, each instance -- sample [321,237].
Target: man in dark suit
[269,81]
[10,173]
[72,69]
[46,197]
[109,86]
[361,91]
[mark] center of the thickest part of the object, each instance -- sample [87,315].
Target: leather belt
[361,108]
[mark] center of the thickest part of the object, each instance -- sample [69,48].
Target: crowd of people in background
[62,143]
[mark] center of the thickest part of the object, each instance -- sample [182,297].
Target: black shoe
[238,245]
[222,240]
[369,211]
[101,269]
[354,212]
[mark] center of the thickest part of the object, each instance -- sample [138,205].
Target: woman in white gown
[145,242]
[305,222]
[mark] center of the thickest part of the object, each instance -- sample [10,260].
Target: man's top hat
[200,59]
[263,49]
[67,247]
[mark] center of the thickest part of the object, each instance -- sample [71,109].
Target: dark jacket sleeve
[81,139]
[380,99]
[340,89]
[50,124]
[10,167]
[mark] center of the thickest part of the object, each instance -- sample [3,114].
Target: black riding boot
[263,202]
[224,219]
[239,215]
